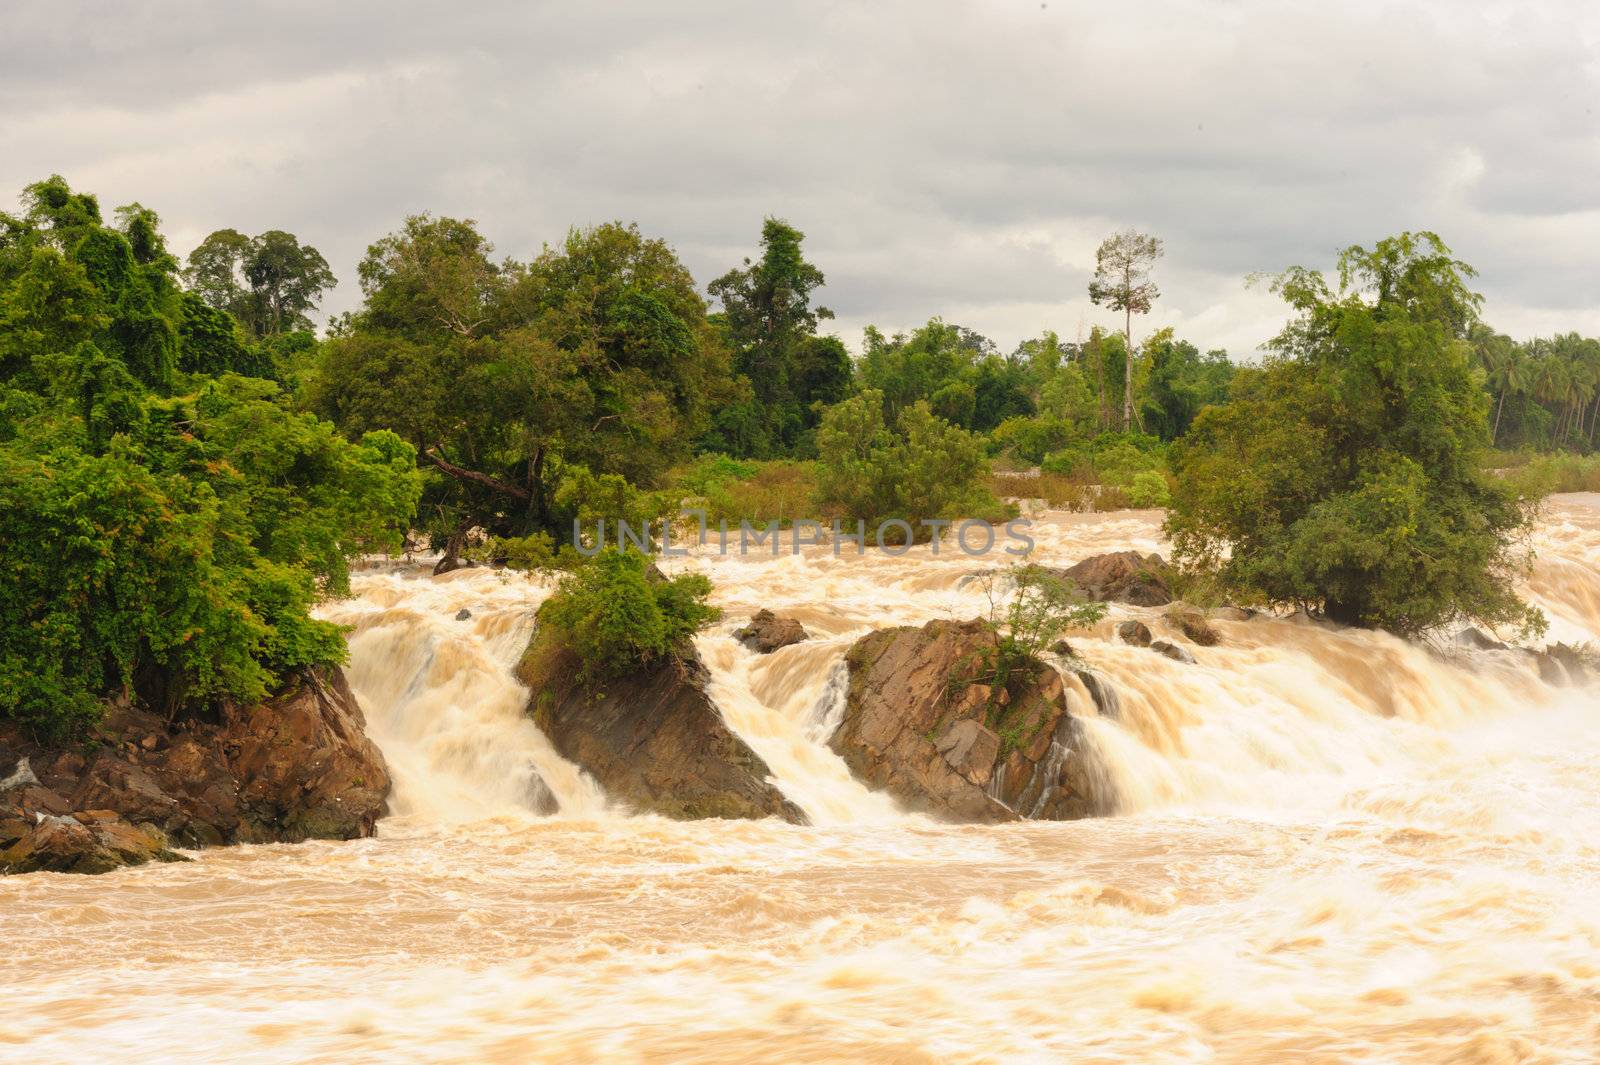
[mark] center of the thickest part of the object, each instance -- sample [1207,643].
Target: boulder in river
[94,841]
[1134,633]
[1122,577]
[652,738]
[767,632]
[298,766]
[923,722]
[1193,625]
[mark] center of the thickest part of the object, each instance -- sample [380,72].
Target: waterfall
[442,702]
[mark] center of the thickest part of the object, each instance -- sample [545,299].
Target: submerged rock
[1172,651]
[653,739]
[1106,699]
[767,632]
[1122,577]
[921,722]
[298,766]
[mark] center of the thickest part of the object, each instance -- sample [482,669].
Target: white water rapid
[1332,846]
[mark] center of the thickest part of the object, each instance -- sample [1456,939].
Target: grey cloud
[943,157]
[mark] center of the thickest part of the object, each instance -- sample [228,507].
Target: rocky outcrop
[921,722]
[92,841]
[1122,577]
[298,766]
[653,738]
[767,632]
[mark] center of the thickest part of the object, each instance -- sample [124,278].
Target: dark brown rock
[296,767]
[1172,651]
[1135,633]
[1193,624]
[1122,577]
[74,845]
[653,739]
[767,632]
[922,722]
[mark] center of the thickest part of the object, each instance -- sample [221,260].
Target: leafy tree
[68,280]
[1180,383]
[771,326]
[164,548]
[508,376]
[1122,283]
[1345,475]
[929,469]
[270,282]
[957,372]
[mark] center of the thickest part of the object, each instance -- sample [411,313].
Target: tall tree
[1122,283]
[771,326]
[270,282]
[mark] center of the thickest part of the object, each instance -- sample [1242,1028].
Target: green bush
[1149,489]
[928,469]
[617,613]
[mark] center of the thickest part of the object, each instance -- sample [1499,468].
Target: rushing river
[1335,847]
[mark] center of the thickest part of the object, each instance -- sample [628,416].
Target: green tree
[928,469]
[270,282]
[1122,283]
[510,377]
[771,326]
[1345,474]
[166,548]
[617,612]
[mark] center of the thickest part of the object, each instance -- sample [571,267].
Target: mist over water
[1332,846]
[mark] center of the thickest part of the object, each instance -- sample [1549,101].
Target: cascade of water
[442,701]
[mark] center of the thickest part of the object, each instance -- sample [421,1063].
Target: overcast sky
[943,158]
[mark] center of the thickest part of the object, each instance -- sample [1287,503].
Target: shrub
[1149,489]
[929,469]
[1040,608]
[617,612]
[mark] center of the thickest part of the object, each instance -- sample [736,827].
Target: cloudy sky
[943,158]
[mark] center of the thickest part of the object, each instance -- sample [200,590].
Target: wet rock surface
[1134,633]
[1122,577]
[767,632]
[653,739]
[922,723]
[1193,625]
[298,766]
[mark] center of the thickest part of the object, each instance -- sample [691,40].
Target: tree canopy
[1345,474]
[168,524]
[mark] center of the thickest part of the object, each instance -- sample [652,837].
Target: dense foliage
[1346,474]
[616,612]
[786,372]
[512,378]
[167,523]
[926,469]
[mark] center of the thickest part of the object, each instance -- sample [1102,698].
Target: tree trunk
[1127,372]
[1494,438]
[451,558]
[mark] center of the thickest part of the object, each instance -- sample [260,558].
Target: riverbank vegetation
[168,518]
[186,467]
